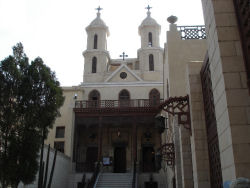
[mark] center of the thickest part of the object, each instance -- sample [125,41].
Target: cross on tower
[148,7]
[99,9]
[123,55]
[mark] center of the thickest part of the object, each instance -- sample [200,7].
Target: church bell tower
[96,55]
[150,54]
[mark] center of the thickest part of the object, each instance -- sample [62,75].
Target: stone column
[100,139]
[178,167]
[134,134]
[186,158]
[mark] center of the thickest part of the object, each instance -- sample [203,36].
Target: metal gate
[211,126]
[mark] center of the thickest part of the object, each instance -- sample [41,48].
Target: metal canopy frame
[178,106]
[167,152]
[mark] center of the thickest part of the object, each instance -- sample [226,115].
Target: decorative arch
[94,64]
[94,98]
[124,97]
[95,41]
[150,39]
[154,97]
[151,62]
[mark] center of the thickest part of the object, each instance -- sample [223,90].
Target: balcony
[135,103]
[117,106]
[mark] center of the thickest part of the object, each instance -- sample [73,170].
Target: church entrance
[148,159]
[91,158]
[120,159]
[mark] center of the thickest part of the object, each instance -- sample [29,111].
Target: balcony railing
[192,32]
[134,103]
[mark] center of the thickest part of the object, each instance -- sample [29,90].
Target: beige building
[110,116]
[212,143]
[172,117]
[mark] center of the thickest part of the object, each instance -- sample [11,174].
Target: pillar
[100,139]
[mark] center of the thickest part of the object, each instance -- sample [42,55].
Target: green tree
[30,97]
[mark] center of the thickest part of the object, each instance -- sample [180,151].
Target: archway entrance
[120,159]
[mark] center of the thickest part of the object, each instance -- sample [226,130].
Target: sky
[55,29]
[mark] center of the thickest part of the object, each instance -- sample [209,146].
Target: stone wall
[231,97]
[178,53]
[66,119]
[199,147]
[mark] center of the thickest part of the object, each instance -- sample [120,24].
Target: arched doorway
[94,99]
[154,97]
[124,98]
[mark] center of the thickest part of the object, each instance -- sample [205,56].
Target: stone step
[115,180]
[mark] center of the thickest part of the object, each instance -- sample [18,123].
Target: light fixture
[118,133]
[75,96]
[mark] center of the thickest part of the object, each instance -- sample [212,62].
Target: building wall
[61,171]
[231,97]
[66,119]
[199,149]
[178,53]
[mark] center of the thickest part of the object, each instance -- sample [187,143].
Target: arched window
[154,97]
[150,39]
[94,98]
[95,41]
[124,98]
[94,64]
[151,62]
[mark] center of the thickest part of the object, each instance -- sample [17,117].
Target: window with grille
[60,131]
[59,146]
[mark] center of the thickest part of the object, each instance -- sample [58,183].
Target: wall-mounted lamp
[75,96]
[119,133]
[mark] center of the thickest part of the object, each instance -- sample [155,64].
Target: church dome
[149,21]
[98,23]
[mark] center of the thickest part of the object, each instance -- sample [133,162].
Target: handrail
[117,103]
[97,180]
[93,179]
[134,182]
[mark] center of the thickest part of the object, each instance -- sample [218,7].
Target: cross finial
[148,7]
[99,9]
[123,55]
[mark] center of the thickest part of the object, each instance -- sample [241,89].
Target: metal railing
[134,182]
[117,103]
[92,181]
[192,32]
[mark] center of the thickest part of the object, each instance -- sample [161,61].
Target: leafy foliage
[30,97]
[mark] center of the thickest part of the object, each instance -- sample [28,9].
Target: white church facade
[176,116]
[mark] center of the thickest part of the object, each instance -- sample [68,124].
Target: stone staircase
[115,180]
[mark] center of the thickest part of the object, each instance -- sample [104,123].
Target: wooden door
[148,159]
[120,160]
[91,158]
